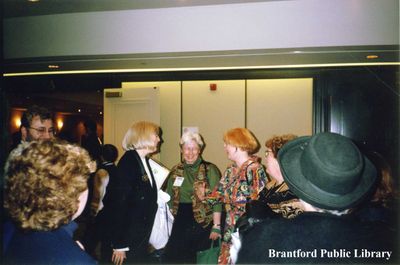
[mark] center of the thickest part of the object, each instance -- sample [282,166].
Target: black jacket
[110,195]
[135,206]
[331,239]
[105,219]
[46,247]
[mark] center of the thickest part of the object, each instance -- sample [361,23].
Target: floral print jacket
[235,189]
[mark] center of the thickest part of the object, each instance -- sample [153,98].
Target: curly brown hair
[276,142]
[385,192]
[43,181]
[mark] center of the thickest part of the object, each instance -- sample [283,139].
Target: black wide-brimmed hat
[327,170]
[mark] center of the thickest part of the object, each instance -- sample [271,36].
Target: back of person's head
[139,135]
[109,153]
[33,111]
[43,183]
[90,126]
[243,139]
[276,142]
[327,170]
[385,191]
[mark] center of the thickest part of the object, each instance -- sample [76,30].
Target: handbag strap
[212,242]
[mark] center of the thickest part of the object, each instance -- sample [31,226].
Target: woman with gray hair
[196,223]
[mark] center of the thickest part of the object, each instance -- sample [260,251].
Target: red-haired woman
[241,182]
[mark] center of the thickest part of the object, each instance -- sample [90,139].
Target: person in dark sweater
[330,176]
[45,190]
[384,203]
[92,144]
[103,202]
[90,141]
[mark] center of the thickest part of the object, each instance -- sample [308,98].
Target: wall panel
[279,106]
[170,117]
[213,113]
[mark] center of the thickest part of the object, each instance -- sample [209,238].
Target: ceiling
[19,8]
[182,61]
[200,61]
[77,82]
[69,87]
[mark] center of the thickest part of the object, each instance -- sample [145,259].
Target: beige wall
[170,122]
[170,117]
[214,112]
[279,106]
[274,106]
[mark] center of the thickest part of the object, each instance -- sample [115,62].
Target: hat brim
[289,161]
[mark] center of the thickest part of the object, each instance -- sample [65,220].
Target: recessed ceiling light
[53,66]
[33,1]
[372,56]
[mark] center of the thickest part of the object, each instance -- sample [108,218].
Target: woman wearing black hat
[330,176]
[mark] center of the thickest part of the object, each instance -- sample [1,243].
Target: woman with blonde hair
[45,190]
[135,194]
[241,182]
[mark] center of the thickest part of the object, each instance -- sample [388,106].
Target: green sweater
[186,189]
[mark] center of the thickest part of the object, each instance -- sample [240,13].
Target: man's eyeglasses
[43,130]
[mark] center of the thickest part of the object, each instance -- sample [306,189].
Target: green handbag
[209,256]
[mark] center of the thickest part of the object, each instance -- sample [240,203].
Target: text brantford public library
[334,253]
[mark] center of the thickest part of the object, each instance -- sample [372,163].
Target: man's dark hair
[33,111]
[90,125]
[109,153]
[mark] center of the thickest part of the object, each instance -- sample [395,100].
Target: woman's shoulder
[230,167]
[42,247]
[210,165]
[176,170]
[255,163]
[129,166]
[212,169]
[129,154]
[128,158]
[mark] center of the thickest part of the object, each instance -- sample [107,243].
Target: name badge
[178,181]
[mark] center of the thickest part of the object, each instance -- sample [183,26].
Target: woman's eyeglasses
[267,152]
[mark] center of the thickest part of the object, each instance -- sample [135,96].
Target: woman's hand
[118,257]
[200,191]
[215,232]
[214,235]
